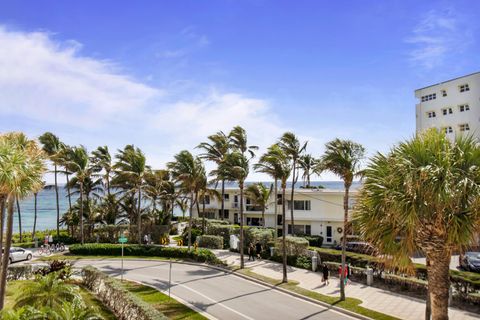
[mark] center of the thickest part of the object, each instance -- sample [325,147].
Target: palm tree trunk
[139,216]
[203,212]
[19,219]
[3,200]
[222,212]
[81,214]
[68,191]
[428,306]
[344,242]
[263,216]
[190,222]
[439,281]
[6,256]
[276,208]
[242,259]
[198,208]
[58,203]
[34,215]
[291,199]
[284,240]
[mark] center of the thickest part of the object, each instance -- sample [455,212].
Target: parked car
[470,261]
[19,254]
[359,247]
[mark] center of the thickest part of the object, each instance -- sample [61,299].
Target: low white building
[452,106]
[316,212]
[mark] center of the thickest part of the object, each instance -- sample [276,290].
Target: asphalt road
[219,294]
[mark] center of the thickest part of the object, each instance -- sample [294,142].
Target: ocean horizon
[47,210]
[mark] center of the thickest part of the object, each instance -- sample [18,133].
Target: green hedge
[195,233]
[303,262]
[124,304]
[221,230]
[211,242]
[314,241]
[106,249]
[295,246]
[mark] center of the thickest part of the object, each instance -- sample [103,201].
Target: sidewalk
[376,299]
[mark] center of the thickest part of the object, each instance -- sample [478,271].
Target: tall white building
[452,106]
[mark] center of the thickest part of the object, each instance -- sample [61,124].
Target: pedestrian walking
[145,239]
[325,274]
[251,252]
[258,249]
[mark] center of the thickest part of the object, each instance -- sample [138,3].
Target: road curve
[219,294]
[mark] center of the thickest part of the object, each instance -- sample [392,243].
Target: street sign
[122,240]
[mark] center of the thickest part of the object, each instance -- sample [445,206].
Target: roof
[436,84]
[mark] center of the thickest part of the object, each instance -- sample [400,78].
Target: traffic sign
[122,240]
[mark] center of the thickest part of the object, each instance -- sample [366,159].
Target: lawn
[168,306]
[16,289]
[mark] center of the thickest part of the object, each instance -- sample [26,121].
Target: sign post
[122,240]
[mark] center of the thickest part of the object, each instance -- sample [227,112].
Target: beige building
[316,212]
[452,106]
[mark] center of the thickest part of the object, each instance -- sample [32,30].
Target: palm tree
[342,157]
[276,164]
[23,166]
[19,219]
[80,165]
[63,159]
[159,189]
[238,142]
[131,168]
[48,291]
[73,311]
[203,192]
[216,150]
[309,166]
[182,203]
[237,165]
[423,195]
[187,171]
[260,195]
[103,160]
[53,147]
[293,149]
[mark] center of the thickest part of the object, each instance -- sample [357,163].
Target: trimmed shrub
[296,246]
[221,230]
[262,235]
[106,249]
[211,242]
[302,261]
[124,304]
[314,241]
[195,233]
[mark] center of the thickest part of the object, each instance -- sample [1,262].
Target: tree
[160,190]
[260,195]
[216,150]
[276,164]
[292,147]
[205,191]
[343,157]
[52,146]
[423,195]
[63,159]
[130,170]
[22,165]
[48,291]
[309,166]
[237,165]
[187,171]
[102,159]
[19,219]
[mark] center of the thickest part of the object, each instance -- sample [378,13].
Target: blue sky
[165,74]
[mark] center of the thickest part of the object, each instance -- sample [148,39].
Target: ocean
[47,212]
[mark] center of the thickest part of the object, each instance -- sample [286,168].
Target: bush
[106,249]
[262,235]
[304,262]
[221,230]
[211,242]
[18,272]
[124,304]
[295,246]
[195,233]
[173,231]
[314,241]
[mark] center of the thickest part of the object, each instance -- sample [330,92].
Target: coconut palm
[238,142]
[276,164]
[182,203]
[102,159]
[309,166]
[159,190]
[187,171]
[237,165]
[292,147]
[260,195]
[52,146]
[216,150]
[205,191]
[48,291]
[343,157]
[19,219]
[423,195]
[63,159]
[130,170]
[22,168]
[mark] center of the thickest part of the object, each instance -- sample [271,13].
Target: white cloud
[438,36]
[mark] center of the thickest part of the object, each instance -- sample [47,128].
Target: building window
[446,111]
[300,229]
[429,97]
[431,114]
[444,93]
[299,205]
[279,219]
[226,196]
[464,87]
[279,199]
[464,107]
[464,127]
[447,130]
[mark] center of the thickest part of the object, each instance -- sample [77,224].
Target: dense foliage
[211,242]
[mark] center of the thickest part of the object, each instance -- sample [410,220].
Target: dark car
[470,261]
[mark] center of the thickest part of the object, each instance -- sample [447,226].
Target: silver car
[19,254]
